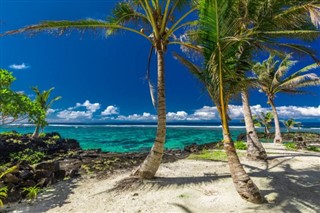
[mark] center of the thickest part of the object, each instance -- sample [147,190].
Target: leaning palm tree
[42,99]
[216,35]
[252,19]
[156,22]
[264,21]
[272,79]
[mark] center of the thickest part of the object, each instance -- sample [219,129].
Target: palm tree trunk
[277,134]
[243,183]
[150,165]
[36,132]
[255,150]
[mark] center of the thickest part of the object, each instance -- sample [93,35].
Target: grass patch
[217,155]
[214,155]
[291,146]
[240,145]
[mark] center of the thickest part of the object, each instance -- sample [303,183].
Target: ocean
[129,137]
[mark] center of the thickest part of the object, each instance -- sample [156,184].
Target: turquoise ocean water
[129,138]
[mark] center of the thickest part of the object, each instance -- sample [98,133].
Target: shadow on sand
[297,190]
[158,183]
[52,197]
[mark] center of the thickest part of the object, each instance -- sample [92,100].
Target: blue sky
[103,79]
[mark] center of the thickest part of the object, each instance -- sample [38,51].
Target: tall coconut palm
[264,21]
[272,79]
[251,32]
[42,99]
[154,20]
[217,32]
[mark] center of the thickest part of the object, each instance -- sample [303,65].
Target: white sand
[291,178]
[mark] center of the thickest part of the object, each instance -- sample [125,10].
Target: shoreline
[193,185]
[64,159]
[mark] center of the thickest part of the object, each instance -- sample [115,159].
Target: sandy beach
[289,180]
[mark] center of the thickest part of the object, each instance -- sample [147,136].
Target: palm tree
[42,99]
[263,22]
[252,36]
[263,119]
[219,46]
[255,150]
[159,27]
[290,123]
[272,79]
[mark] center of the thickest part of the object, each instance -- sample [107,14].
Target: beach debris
[272,197]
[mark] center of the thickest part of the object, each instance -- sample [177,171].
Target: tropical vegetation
[3,194]
[227,34]
[247,27]
[32,192]
[16,106]
[264,120]
[160,25]
[42,100]
[272,78]
[290,123]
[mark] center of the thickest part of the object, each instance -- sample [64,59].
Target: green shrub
[291,146]
[240,145]
[13,134]
[27,155]
[314,148]
[32,192]
[42,135]
[3,194]
[56,137]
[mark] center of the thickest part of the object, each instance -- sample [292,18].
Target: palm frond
[125,13]
[194,69]
[151,87]
[52,101]
[62,27]
[267,70]
[298,14]
[314,11]
[306,35]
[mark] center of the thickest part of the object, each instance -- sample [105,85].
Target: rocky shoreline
[26,162]
[45,161]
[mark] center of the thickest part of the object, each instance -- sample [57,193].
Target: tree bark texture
[36,132]
[243,183]
[255,150]
[150,165]
[277,134]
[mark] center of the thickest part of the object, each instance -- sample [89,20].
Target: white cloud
[79,115]
[89,106]
[110,110]
[74,115]
[236,112]
[298,112]
[19,66]
[206,113]
[178,116]
[50,111]
[137,117]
